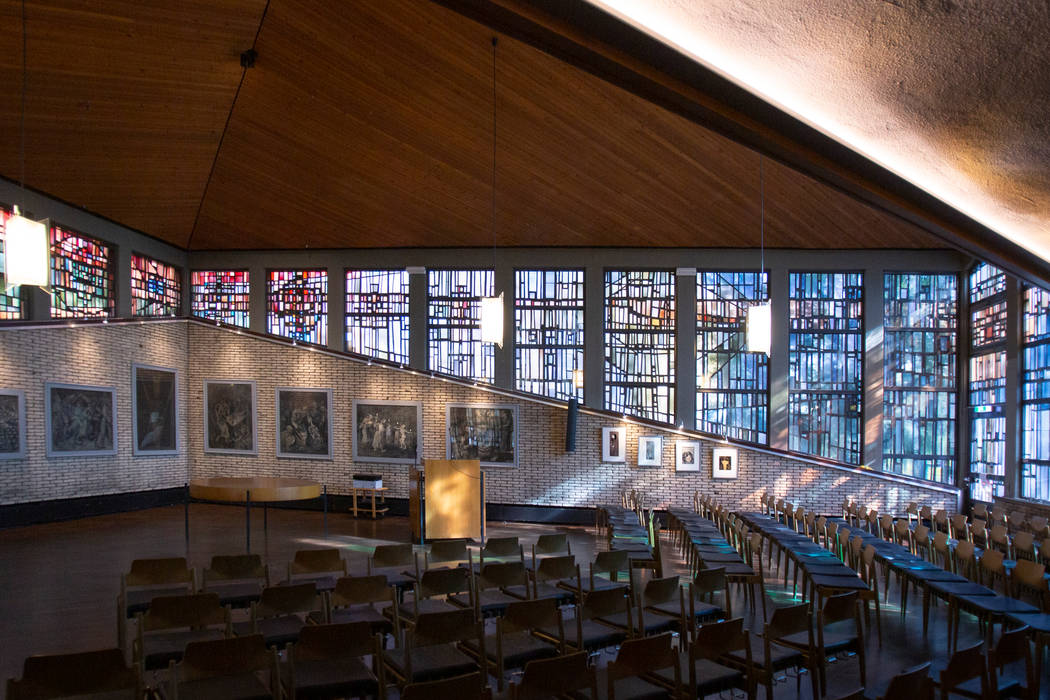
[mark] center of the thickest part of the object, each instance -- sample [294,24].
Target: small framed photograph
[12,424]
[723,463]
[650,451]
[614,444]
[687,456]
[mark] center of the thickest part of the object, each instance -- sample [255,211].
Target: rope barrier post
[248,521]
[186,492]
[324,504]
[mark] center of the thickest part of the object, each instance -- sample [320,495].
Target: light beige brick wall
[99,355]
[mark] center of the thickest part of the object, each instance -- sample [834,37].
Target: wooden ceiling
[370,124]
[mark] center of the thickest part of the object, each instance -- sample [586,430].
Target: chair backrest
[1029,573]
[337,641]
[603,602]
[661,590]
[1013,646]
[964,665]
[838,608]
[531,614]
[978,530]
[61,675]
[287,600]
[552,544]
[912,509]
[1038,525]
[387,556]
[999,535]
[992,561]
[788,621]
[926,513]
[230,567]
[444,551]
[709,581]
[225,657]
[979,511]
[501,547]
[317,561]
[718,638]
[544,678]
[965,561]
[644,655]
[960,526]
[921,535]
[1024,545]
[940,543]
[556,568]
[911,684]
[471,685]
[503,574]
[439,582]
[901,529]
[176,611]
[886,524]
[1016,520]
[444,627]
[359,590]
[151,572]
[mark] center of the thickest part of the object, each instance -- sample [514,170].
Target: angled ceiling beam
[594,41]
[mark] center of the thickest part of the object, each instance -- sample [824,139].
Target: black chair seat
[161,647]
[138,600]
[996,604]
[324,582]
[490,602]
[600,584]
[595,635]
[1040,622]
[544,591]
[278,631]
[400,580]
[736,569]
[781,657]
[407,611]
[243,686]
[518,649]
[957,588]
[431,662]
[635,688]
[329,678]
[672,608]
[711,677]
[236,595]
[363,613]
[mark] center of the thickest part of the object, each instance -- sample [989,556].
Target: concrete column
[38,304]
[778,358]
[503,281]
[963,433]
[685,347]
[1014,366]
[874,367]
[122,281]
[336,309]
[594,337]
[257,298]
[417,317]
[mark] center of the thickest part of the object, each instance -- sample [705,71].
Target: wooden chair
[516,642]
[786,641]
[911,684]
[501,549]
[225,668]
[911,514]
[870,576]
[926,516]
[554,577]
[552,545]
[705,584]
[998,517]
[1029,581]
[634,672]
[328,661]
[999,538]
[148,579]
[903,535]
[837,612]
[661,607]
[447,553]
[597,623]
[559,676]
[489,597]
[942,551]
[239,579]
[172,622]
[1017,521]
[979,534]
[705,671]
[434,591]
[84,674]
[922,545]
[1012,648]
[471,685]
[959,527]
[1039,526]
[398,563]
[604,571]
[979,511]
[281,612]
[320,566]
[965,666]
[941,522]
[886,527]
[992,569]
[362,599]
[757,576]
[965,560]
[1022,546]
[430,651]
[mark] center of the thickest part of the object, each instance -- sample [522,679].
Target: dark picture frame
[81,420]
[486,432]
[154,410]
[230,425]
[12,424]
[304,422]
[388,432]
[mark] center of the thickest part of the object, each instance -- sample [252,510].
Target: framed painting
[687,456]
[12,424]
[724,463]
[614,444]
[81,420]
[154,410]
[229,417]
[387,431]
[304,422]
[487,432]
[650,451]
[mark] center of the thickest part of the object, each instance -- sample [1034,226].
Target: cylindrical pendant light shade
[26,252]
[759,328]
[492,320]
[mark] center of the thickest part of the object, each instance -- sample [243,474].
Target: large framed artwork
[304,422]
[154,410]
[650,451]
[724,463]
[687,456]
[12,424]
[229,417]
[81,420]
[487,432]
[387,431]
[614,444]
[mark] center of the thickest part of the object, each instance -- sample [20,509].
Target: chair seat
[243,686]
[1040,622]
[407,611]
[431,662]
[996,604]
[957,588]
[711,676]
[600,584]
[705,611]
[491,602]
[236,595]
[278,631]
[544,591]
[397,578]
[780,656]
[519,648]
[324,581]
[635,688]
[358,613]
[138,600]
[595,635]
[162,647]
[326,678]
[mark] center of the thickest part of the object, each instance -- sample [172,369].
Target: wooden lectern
[447,500]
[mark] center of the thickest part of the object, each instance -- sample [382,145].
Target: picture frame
[81,420]
[230,424]
[724,463]
[687,455]
[614,445]
[404,447]
[650,450]
[154,410]
[304,422]
[486,432]
[12,424]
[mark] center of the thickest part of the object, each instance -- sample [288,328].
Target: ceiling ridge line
[247,61]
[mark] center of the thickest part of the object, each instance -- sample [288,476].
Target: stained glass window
[826,364]
[640,343]
[454,323]
[920,324]
[10,299]
[987,382]
[82,281]
[548,322]
[732,385]
[377,313]
[221,295]
[156,287]
[1035,396]
[297,302]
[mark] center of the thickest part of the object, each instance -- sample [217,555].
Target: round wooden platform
[262,489]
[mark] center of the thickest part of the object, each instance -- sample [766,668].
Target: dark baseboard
[21,514]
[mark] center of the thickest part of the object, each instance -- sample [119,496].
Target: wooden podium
[447,500]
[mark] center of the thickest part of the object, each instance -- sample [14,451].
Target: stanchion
[324,499]
[186,487]
[248,521]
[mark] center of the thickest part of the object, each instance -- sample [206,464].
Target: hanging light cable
[26,248]
[759,316]
[492,307]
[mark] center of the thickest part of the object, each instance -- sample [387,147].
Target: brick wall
[99,355]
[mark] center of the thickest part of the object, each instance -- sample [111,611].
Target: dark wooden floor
[59,582]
